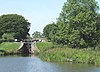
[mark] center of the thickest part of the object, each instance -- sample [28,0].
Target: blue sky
[38,12]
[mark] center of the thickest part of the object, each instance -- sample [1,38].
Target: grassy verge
[43,46]
[9,47]
[49,52]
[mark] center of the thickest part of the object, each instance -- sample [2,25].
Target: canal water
[34,64]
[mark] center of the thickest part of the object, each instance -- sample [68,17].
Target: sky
[38,12]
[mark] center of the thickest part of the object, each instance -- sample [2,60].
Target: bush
[7,36]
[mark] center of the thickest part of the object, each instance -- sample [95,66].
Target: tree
[37,35]
[49,31]
[77,24]
[16,24]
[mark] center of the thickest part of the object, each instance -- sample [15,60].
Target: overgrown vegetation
[50,52]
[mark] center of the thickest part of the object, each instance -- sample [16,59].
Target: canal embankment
[9,48]
[58,53]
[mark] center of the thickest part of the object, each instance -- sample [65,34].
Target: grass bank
[9,47]
[50,52]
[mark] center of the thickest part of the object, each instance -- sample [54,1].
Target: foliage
[78,25]
[14,24]
[37,35]
[7,36]
[28,37]
[49,31]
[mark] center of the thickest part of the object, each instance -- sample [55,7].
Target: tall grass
[83,56]
[55,55]
[49,52]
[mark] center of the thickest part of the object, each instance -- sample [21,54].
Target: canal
[34,64]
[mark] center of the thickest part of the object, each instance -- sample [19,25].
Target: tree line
[78,25]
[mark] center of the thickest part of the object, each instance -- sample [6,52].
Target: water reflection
[34,64]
